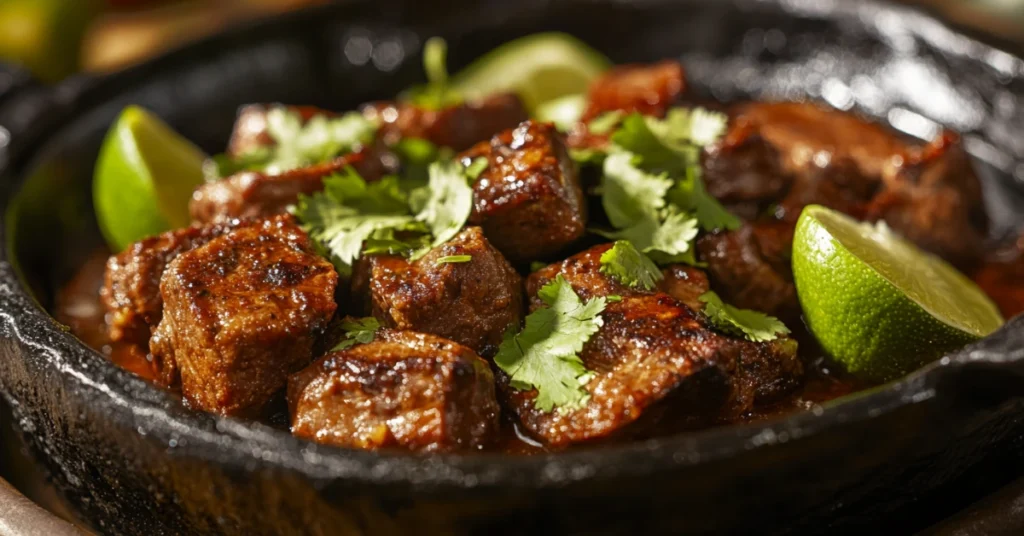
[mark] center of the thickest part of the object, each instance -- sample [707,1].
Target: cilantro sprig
[297,143]
[751,325]
[627,265]
[351,217]
[545,354]
[357,331]
[437,93]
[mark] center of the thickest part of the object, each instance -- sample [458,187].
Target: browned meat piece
[657,367]
[471,303]
[686,284]
[404,390]
[250,130]
[131,287]
[648,89]
[241,313]
[745,175]
[528,200]
[253,194]
[935,201]
[749,268]
[458,127]
[930,194]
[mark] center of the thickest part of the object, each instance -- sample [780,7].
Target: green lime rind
[144,178]
[539,68]
[877,304]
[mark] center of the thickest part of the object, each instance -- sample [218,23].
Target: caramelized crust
[528,200]
[650,89]
[241,313]
[403,390]
[656,363]
[458,127]
[471,303]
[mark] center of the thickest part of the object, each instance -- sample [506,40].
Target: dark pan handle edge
[22,517]
[991,369]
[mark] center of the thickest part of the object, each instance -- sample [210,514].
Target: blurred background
[56,38]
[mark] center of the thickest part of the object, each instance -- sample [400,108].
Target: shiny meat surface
[746,176]
[131,284]
[649,89]
[471,303]
[750,268]
[458,127]
[403,390]
[656,364]
[241,313]
[528,200]
[255,194]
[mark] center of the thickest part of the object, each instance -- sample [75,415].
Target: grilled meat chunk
[131,285]
[241,313]
[471,303]
[685,284]
[404,390]
[655,362]
[749,267]
[528,200]
[648,89]
[458,127]
[745,174]
[858,167]
[256,194]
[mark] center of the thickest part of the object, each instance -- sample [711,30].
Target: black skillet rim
[246,446]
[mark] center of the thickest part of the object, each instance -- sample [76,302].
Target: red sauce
[1001,276]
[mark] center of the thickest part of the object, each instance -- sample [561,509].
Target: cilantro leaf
[451,259]
[449,202]
[627,265]
[545,354]
[437,93]
[666,240]
[605,122]
[690,194]
[476,167]
[223,165]
[752,325]
[636,136]
[358,331]
[630,194]
[318,140]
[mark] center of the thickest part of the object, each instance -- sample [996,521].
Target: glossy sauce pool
[1001,276]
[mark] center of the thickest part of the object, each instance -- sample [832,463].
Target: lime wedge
[539,68]
[45,35]
[878,305]
[144,178]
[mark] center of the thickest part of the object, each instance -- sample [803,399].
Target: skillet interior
[896,65]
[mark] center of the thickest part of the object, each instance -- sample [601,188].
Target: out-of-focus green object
[45,36]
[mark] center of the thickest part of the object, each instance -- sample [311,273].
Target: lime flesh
[144,178]
[878,305]
[539,68]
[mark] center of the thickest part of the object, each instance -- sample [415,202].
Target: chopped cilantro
[588,156]
[613,298]
[223,165]
[690,194]
[450,200]
[752,325]
[605,122]
[437,93]
[545,354]
[451,259]
[476,167]
[318,140]
[359,331]
[627,265]
[630,193]
[537,265]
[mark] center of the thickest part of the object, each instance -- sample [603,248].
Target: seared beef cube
[935,201]
[745,174]
[403,390]
[528,200]
[131,286]
[256,194]
[458,127]
[241,313]
[648,89]
[250,130]
[657,366]
[748,270]
[471,303]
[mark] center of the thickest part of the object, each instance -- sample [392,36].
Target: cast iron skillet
[132,460]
